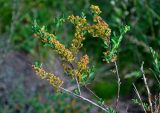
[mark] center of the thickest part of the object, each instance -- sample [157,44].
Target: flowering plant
[74,66]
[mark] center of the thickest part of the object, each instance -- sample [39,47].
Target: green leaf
[76,91]
[111,110]
[106,45]
[101,101]
[114,42]
[83,15]
[91,74]
[47,45]
[35,27]
[49,38]
[38,64]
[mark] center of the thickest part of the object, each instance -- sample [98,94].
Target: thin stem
[83,98]
[94,94]
[155,104]
[148,91]
[135,89]
[91,92]
[119,84]
[78,86]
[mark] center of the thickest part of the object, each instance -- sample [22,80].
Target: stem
[139,98]
[83,98]
[92,92]
[94,95]
[79,90]
[78,86]
[148,91]
[119,84]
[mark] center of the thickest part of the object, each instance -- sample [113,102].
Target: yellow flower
[80,25]
[77,20]
[81,66]
[55,81]
[95,9]
[100,29]
[65,53]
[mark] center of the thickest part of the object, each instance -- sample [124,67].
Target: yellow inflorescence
[98,29]
[65,53]
[54,80]
[95,9]
[77,20]
[77,42]
[80,25]
[81,66]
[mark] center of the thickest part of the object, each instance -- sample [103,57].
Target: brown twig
[119,84]
[94,95]
[83,98]
[78,86]
[148,90]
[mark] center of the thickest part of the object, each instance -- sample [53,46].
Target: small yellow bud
[95,9]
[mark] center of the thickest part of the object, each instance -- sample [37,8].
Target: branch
[148,91]
[79,90]
[78,86]
[119,84]
[83,98]
[94,95]
[135,89]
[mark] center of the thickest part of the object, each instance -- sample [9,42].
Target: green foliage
[156,65]
[138,102]
[59,21]
[38,64]
[88,76]
[101,101]
[111,110]
[115,43]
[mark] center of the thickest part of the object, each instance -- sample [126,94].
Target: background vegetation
[23,92]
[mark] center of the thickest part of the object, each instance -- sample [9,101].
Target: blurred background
[21,91]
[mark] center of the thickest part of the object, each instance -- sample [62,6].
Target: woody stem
[83,98]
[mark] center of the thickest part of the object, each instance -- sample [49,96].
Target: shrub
[74,66]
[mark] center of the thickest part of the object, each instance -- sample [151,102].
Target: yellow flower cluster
[95,9]
[100,29]
[77,20]
[81,66]
[114,56]
[77,42]
[51,78]
[65,53]
[81,24]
